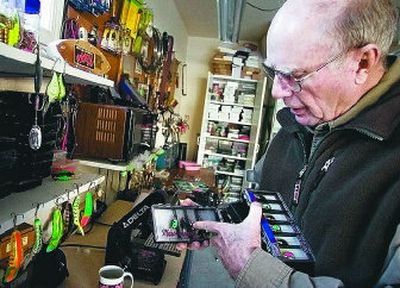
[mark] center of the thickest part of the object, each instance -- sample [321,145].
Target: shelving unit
[18,63]
[49,194]
[231,125]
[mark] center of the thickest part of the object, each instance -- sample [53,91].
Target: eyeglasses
[291,81]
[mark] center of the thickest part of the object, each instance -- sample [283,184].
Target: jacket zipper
[324,169]
[369,134]
[297,184]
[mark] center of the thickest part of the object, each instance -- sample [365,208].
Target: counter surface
[86,254]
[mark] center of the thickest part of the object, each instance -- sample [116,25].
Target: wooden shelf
[229,78]
[104,164]
[231,104]
[229,121]
[228,139]
[225,156]
[18,63]
[229,173]
[48,194]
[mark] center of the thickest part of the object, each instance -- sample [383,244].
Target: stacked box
[247,115]
[221,67]
[25,167]
[235,113]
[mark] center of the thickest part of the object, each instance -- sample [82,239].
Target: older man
[339,146]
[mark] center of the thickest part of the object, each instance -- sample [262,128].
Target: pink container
[189,166]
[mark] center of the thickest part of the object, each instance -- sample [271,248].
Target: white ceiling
[200,18]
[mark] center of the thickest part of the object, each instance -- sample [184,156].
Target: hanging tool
[35,134]
[168,41]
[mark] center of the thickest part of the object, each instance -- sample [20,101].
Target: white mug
[112,276]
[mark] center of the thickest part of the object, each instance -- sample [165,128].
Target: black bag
[126,237]
[50,269]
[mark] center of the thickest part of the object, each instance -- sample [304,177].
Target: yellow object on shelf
[14,31]
[133,17]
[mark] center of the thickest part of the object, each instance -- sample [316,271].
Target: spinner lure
[37,246]
[88,209]
[16,257]
[57,231]
[76,210]
[67,219]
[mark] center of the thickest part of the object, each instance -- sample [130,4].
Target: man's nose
[280,89]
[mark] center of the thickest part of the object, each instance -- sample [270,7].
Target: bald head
[327,54]
[302,26]
[296,16]
[341,23]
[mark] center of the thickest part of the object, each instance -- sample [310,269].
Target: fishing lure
[67,219]
[16,257]
[37,246]
[57,231]
[76,213]
[88,209]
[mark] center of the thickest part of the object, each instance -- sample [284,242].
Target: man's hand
[235,242]
[194,245]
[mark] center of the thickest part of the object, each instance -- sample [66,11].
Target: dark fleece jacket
[350,209]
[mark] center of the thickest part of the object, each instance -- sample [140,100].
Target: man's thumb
[211,226]
[255,213]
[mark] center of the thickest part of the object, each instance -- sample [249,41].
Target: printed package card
[174,223]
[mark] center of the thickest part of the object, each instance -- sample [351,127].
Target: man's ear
[368,57]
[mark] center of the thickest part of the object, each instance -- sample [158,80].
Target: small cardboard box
[221,67]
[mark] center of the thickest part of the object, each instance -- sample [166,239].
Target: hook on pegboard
[14,218]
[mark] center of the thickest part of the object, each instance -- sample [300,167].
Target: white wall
[167,18]
[199,54]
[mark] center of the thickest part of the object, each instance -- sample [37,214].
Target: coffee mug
[112,276]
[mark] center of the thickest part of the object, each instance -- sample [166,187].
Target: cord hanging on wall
[184,79]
